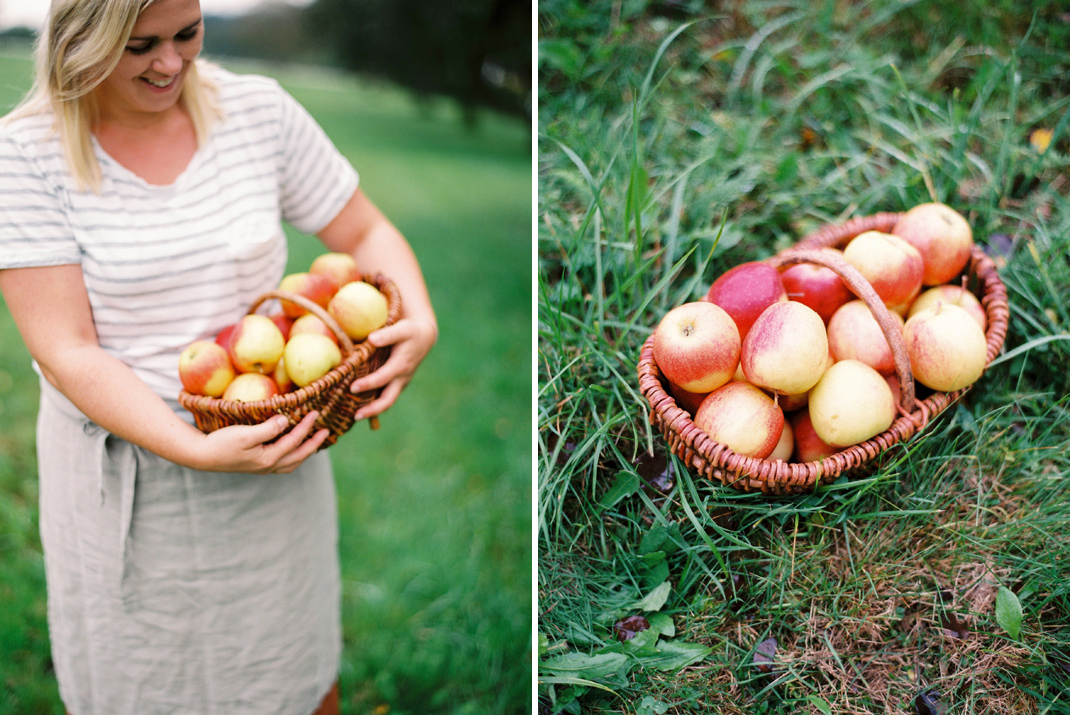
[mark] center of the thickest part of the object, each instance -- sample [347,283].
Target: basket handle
[343,339]
[858,285]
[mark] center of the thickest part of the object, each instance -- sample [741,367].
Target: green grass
[674,145]
[435,507]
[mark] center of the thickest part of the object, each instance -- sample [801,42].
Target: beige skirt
[177,591]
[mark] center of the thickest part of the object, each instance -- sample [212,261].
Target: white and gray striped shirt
[167,265]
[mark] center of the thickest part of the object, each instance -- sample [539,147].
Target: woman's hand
[411,340]
[245,448]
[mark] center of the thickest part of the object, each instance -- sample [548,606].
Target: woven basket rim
[284,404]
[716,461]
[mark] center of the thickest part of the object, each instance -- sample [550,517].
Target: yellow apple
[851,403]
[891,265]
[310,323]
[786,349]
[359,308]
[339,267]
[310,356]
[955,295]
[251,387]
[256,344]
[946,346]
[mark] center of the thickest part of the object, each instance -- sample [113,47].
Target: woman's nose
[168,61]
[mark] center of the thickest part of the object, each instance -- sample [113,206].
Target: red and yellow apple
[282,376]
[946,346]
[251,387]
[317,288]
[359,309]
[696,347]
[891,265]
[309,357]
[222,339]
[854,334]
[743,418]
[256,345]
[851,403]
[310,323]
[745,291]
[816,286]
[283,322]
[786,349]
[955,295]
[785,446]
[204,368]
[941,235]
[339,267]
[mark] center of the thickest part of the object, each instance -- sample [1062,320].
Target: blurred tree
[477,51]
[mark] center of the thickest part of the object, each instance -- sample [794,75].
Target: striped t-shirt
[167,265]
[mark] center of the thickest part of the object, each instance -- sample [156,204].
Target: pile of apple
[787,364]
[262,356]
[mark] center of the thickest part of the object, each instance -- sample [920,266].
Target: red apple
[251,387]
[309,357]
[850,404]
[225,335]
[283,322]
[743,418]
[816,286]
[808,446]
[696,347]
[946,346]
[786,349]
[955,295]
[339,267]
[891,265]
[687,401]
[745,291]
[256,345]
[310,323]
[317,288]
[942,236]
[205,369]
[792,402]
[359,309]
[854,334]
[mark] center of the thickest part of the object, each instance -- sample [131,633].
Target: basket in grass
[917,404]
[330,395]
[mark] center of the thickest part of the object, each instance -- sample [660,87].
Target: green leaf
[661,623]
[581,665]
[544,644]
[820,704]
[671,655]
[656,598]
[1008,612]
[626,484]
[642,643]
[651,706]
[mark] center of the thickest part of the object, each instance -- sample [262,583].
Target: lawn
[674,144]
[435,507]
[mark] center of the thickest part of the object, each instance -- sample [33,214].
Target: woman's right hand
[246,448]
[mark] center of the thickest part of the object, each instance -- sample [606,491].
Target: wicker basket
[918,405]
[329,395]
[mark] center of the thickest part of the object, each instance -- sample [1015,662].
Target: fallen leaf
[628,627]
[928,703]
[763,655]
[1040,139]
[656,472]
[1008,612]
[954,627]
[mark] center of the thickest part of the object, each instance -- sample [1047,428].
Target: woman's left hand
[411,340]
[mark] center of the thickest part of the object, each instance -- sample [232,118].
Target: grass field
[435,508]
[674,145]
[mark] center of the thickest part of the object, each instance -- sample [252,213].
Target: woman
[141,193]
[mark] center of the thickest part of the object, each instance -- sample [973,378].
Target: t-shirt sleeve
[34,230]
[316,181]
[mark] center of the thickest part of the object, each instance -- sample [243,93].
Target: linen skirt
[177,591]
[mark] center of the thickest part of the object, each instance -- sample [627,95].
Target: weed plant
[674,144]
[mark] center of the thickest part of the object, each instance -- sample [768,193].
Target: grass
[435,507]
[674,145]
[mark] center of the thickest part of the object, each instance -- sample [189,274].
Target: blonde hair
[81,44]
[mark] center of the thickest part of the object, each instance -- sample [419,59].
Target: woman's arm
[362,231]
[51,310]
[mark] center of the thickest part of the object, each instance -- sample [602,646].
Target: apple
[339,267]
[223,338]
[696,347]
[310,323]
[808,446]
[816,286]
[251,387]
[891,265]
[309,357]
[256,344]
[282,376]
[687,401]
[745,291]
[784,447]
[283,322]
[941,235]
[359,309]
[851,403]
[317,288]
[743,418]
[946,346]
[854,334]
[786,349]
[204,368]
[955,295]
[793,402]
